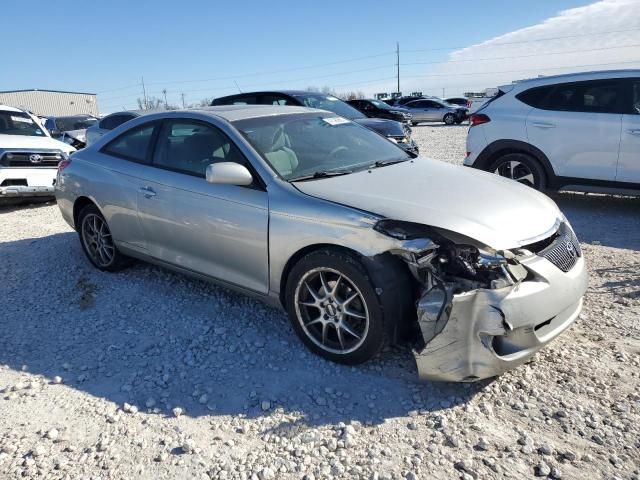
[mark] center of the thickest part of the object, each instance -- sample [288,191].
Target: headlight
[402,230]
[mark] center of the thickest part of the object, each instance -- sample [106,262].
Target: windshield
[301,145]
[66,124]
[381,105]
[19,123]
[333,104]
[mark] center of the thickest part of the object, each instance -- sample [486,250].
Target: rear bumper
[491,331]
[27,182]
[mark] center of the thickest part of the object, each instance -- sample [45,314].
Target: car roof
[570,77]
[232,113]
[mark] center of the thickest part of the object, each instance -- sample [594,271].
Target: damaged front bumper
[482,333]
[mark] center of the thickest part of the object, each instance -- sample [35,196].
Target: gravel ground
[147,374]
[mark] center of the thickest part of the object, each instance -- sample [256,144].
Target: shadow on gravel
[603,219]
[12,204]
[150,337]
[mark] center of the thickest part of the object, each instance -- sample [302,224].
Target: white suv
[575,132]
[29,157]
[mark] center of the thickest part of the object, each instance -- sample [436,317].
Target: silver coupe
[361,242]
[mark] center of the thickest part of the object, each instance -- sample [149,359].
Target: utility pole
[164,92]
[443,95]
[144,94]
[183,104]
[398,64]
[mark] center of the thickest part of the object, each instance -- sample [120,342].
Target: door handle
[147,192]
[634,131]
[543,125]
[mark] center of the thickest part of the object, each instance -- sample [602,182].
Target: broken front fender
[485,332]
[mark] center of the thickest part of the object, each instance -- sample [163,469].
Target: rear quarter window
[535,97]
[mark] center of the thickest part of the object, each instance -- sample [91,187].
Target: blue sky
[106,47]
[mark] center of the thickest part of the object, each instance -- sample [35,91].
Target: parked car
[431,110]
[108,123]
[358,241]
[379,109]
[577,131]
[29,157]
[70,129]
[400,101]
[460,101]
[395,131]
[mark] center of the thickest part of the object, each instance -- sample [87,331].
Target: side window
[430,104]
[186,146]
[599,96]
[132,145]
[113,121]
[535,97]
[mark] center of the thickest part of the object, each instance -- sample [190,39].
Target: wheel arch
[499,148]
[384,269]
[79,203]
[295,258]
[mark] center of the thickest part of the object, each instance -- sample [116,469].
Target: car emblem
[35,158]
[571,250]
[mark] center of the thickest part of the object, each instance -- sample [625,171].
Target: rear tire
[333,307]
[97,242]
[522,168]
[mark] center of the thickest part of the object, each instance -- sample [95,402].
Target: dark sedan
[379,109]
[393,130]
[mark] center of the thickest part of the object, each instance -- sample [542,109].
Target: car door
[216,230]
[419,109]
[577,126]
[433,111]
[125,161]
[629,159]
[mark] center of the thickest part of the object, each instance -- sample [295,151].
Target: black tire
[449,119]
[117,261]
[414,123]
[521,167]
[330,263]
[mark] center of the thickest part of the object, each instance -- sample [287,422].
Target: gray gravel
[147,374]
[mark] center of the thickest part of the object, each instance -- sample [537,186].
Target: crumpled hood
[382,126]
[495,211]
[80,135]
[33,142]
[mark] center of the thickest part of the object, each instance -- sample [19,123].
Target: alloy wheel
[97,240]
[331,310]
[517,171]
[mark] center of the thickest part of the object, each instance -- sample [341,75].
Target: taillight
[479,119]
[63,164]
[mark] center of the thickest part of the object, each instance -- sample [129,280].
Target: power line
[517,42]
[524,56]
[245,75]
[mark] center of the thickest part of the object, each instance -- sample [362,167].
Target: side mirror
[229,173]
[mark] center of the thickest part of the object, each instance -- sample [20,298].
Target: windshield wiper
[320,174]
[384,163]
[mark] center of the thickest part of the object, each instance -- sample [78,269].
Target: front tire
[522,168]
[449,119]
[333,307]
[97,242]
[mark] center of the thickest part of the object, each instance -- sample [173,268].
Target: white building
[51,103]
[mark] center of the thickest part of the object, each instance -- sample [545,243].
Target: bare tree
[150,103]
